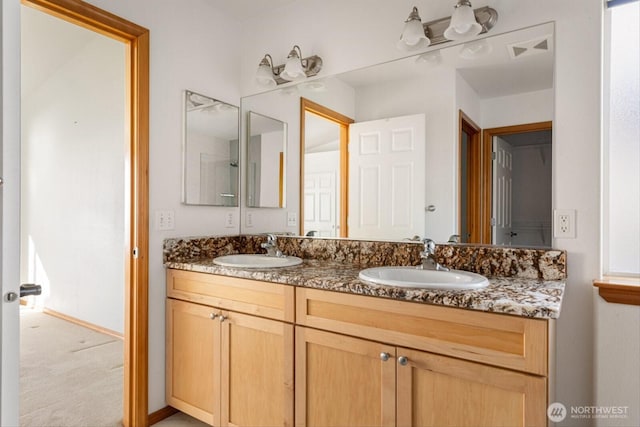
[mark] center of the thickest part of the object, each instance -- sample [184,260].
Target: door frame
[343,121]
[487,166]
[136,255]
[474,179]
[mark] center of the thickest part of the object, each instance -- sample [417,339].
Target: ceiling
[245,9]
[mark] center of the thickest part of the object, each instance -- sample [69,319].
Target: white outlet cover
[568,230]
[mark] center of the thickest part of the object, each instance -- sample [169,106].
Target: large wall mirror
[404,148]
[266,172]
[210,151]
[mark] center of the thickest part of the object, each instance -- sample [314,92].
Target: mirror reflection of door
[522,211]
[387,178]
[373,187]
[324,135]
[321,176]
[505,184]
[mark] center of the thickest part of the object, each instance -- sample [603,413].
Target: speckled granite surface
[523,282]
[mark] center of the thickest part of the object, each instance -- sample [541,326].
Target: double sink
[405,277]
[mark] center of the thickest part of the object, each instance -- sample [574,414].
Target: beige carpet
[70,376]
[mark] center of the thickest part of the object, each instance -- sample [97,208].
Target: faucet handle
[271,238]
[429,245]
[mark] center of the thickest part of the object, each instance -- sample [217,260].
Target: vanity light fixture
[464,24]
[295,69]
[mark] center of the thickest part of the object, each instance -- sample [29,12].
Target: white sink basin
[256,261]
[412,277]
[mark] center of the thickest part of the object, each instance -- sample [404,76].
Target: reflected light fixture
[432,59]
[295,69]
[464,24]
[476,49]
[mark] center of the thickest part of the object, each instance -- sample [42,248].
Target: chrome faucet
[454,238]
[272,247]
[428,256]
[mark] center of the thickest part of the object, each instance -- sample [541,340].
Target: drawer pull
[403,360]
[384,356]
[212,316]
[222,318]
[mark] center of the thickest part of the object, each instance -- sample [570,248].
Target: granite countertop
[527,297]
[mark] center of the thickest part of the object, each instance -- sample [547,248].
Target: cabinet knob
[384,356]
[403,360]
[212,316]
[222,318]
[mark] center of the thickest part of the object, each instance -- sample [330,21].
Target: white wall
[192,47]
[576,122]
[528,107]
[73,151]
[617,380]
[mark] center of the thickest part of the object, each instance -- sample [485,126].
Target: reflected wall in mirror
[266,148]
[500,81]
[209,151]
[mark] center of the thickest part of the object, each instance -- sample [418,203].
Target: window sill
[619,290]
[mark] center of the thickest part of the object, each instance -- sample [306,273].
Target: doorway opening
[324,171]
[135,256]
[517,203]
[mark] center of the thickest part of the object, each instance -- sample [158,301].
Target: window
[621,154]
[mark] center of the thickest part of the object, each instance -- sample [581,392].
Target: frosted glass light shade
[293,70]
[463,24]
[264,75]
[413,36]
[413,33]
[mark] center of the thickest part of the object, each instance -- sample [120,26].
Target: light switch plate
[165,220]
[230,220]
[292,219]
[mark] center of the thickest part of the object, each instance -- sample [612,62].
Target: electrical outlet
[230,220]
[248,219]
[564,223]
[165,220]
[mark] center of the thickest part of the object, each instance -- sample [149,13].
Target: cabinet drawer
[501,340]
[271,300]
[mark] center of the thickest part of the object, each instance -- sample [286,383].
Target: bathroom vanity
[314,345]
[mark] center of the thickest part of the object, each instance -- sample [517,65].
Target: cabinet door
[193,360]
[257,371]
[343,381]
[442,391]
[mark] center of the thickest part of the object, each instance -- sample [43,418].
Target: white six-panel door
[502,189]
[321,201]
[387,178]
[10,211]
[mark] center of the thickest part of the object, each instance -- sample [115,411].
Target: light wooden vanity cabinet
[359,361]
[226,364]
[341,379]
